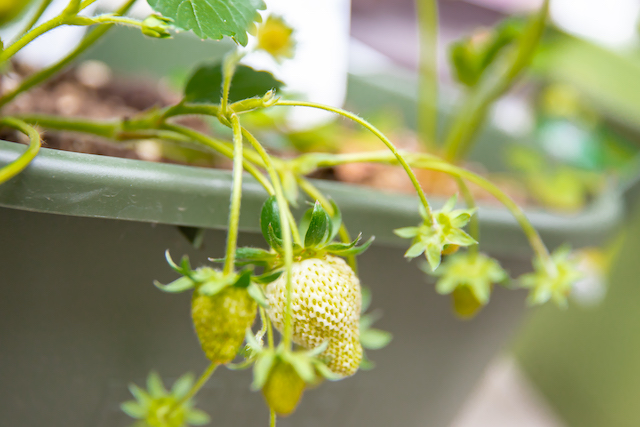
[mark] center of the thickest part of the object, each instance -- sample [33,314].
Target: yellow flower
[275,38]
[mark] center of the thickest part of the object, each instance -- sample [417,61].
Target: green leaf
[270,215]
[205,85]
[256,293]
[375,339]
[212,19]
[179,285]
[261,368]
[319,227]
[182,385]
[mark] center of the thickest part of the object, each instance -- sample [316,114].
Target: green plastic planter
[83,236]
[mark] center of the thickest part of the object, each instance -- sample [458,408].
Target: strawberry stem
[12,169]
[381,136]
[236,197]
[198,385]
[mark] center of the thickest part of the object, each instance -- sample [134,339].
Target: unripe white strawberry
[325,305]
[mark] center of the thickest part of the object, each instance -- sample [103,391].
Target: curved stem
[198,385]
[380,135]
[287,241]
[44,74]
[228,69]
[35,17]
[31,36]
[474,222]
[222,149]
[315,194]
[18,165]
[236,196]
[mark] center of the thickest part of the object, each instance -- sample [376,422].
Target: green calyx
[318,228]
[208,281]
[469,278]
[158,407]
[445,232]
[156,26]
[554,281]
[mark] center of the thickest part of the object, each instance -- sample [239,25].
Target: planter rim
[87,185]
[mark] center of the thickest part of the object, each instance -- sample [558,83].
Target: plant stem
[427,11]
[287,242]
[106,129]
[315,194]
[382,137]
[12,169]
[474,223]
[44,74]
[198,385]
[272,418]
[115,19]
[222,149]
[236,196]
[36,16]
[228,69]
[32,35]
[473,113]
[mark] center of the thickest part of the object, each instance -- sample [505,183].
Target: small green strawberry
[222,306]
[283,388]
[221,320]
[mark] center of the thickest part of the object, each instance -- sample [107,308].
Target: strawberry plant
[304,283]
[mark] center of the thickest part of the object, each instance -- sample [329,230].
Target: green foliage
[205,85]
[10,9]
[157,407]
[212,19]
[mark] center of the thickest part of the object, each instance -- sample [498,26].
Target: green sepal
[184,268]
[366,364]
[262,367]
[407,232]
[415,250]
[301,363]
[343,246]
[133,409]
[179,285]
[324,371]
[375,339]
[319,230]
[274,241]
[270,215]
[213,287]
[303,225]
[356,250]
[244,278]
[182,385]
[366,299]
[266,278]
[316,351]
[156,26]
[154,385]
[256,293]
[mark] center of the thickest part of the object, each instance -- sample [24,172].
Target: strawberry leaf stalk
[326,296]
[223,306]
[444,236]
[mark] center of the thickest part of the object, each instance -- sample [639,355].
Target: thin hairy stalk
[106,129]
[228,69]
[236,196]
[86,3]
[474,222]
[316,194]
[35,17]
[473,113]
[115,19]
[272,418]
[532,235]
[198,385]
[31,36]
[44,74]
[427,11]
[18,165]
[287,241]
[223,149]
[381,136]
